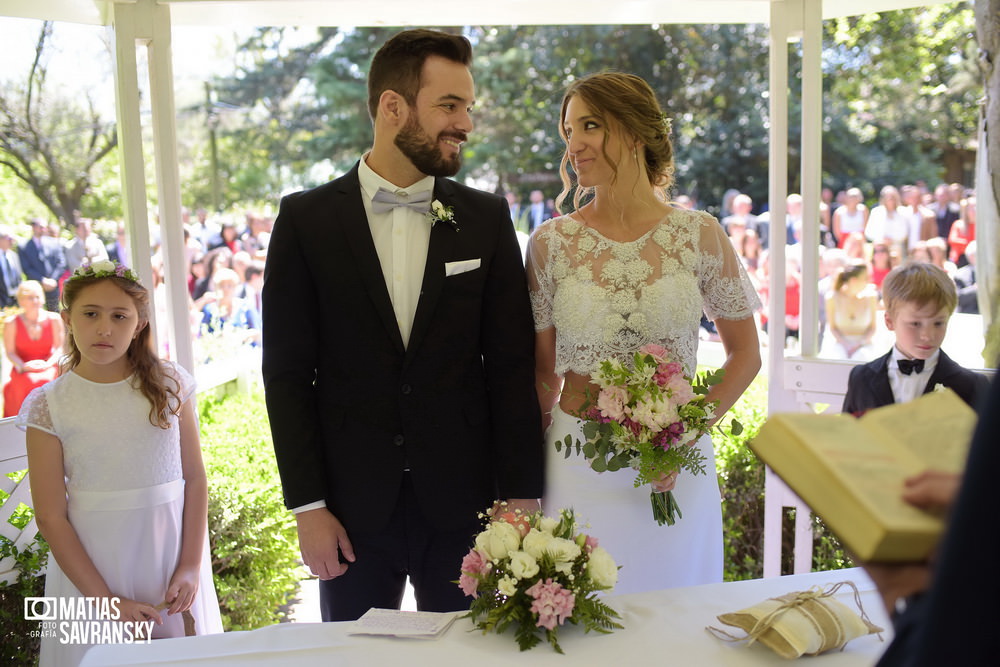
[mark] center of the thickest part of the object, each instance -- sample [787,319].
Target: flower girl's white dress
[125,492]
[607,299]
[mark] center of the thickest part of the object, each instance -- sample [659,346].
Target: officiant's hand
[515,505]
[932,490]
[321,535]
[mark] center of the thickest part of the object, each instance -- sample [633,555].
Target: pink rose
[553,603]
[658,352]
[611,402]
[591,543]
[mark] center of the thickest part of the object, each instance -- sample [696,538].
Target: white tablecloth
[664,627]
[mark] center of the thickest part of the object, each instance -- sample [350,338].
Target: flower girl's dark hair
[627,104]
[162,390]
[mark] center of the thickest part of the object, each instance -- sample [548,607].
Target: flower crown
[105,268]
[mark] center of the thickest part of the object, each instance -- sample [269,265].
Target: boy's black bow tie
[907,366]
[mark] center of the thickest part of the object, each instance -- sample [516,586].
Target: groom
[399,348]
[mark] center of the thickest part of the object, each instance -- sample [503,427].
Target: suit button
[406,389]
[398,440]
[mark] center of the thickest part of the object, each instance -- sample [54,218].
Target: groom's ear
[392,107]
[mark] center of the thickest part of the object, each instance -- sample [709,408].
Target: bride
[622,270]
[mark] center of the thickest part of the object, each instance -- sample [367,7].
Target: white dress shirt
[401,238]
[905,388]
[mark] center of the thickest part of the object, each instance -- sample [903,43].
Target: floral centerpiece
[646,418]
[536,573]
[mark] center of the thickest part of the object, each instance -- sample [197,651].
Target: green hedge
[741,477]
[254,544]
[17,646]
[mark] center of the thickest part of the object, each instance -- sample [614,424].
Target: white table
[664,627]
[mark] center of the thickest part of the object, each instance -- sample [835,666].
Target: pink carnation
[469,584]
[667,372]
[680,389]
[591,543]
[474,565]
[553,603]
[611,401]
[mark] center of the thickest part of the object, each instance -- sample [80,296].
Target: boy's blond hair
[919,283]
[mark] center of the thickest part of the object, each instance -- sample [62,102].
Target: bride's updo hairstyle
[623,103]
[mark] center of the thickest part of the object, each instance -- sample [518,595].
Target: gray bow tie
[384,201]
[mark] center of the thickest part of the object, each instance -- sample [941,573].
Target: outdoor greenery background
[900,93]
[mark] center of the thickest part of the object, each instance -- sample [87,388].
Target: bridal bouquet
[646,418]
[535,573]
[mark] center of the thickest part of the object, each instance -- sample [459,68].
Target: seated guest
[850,314]
[965,280]
[227,310]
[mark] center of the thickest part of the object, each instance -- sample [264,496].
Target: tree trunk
[988,177]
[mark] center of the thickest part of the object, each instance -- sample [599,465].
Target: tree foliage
[53,143]
[900,88]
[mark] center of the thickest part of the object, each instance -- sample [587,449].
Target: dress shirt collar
[371,182]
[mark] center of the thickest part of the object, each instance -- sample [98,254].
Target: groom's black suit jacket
[868,385]
[350,408]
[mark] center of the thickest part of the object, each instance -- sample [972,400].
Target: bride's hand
[665,482]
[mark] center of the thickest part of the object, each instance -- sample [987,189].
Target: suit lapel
[880,385]
[439,250]
[943,370]
[351,212]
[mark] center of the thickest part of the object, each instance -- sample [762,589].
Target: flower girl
[117,479]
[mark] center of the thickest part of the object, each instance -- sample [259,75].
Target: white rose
[536,541]
[563,550]
[548,524]
[103,265]
[507,586]
[498,540]
[522,565]
[602,569]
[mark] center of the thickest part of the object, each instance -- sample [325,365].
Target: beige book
[850,471]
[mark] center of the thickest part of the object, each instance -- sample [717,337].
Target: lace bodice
[107,439]
[607,299]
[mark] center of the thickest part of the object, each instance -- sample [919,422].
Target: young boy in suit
[919,299]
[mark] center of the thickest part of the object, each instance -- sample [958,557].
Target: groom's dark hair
[397,65]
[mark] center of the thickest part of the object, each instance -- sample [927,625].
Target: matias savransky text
[84,620]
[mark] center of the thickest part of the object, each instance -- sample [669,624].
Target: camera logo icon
[40,609]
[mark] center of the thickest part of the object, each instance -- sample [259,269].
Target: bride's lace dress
[606,299]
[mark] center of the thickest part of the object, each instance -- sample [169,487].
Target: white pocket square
[455,268]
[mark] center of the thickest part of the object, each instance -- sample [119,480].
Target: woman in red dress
[33,343]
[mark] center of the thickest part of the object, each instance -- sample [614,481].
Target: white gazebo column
[147,23]
[788,22]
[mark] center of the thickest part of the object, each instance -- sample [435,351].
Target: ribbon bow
[907,366]
[384,201]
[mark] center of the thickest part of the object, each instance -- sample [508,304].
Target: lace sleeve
[725,286]
[34,412]
[541,287]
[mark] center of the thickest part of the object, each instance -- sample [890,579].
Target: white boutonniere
[940,387]
[441,213]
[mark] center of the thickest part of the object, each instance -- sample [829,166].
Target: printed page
[937,427]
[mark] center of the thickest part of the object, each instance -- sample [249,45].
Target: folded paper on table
[851,471]
[396,623]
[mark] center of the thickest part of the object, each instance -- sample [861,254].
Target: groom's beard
[423,151]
